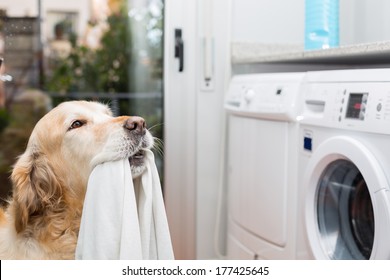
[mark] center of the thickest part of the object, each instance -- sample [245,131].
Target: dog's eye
[76,124]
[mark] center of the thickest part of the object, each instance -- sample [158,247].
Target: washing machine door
[347,209]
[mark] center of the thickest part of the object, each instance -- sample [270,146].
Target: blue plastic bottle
[321,24]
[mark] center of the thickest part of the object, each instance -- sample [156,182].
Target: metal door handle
[179,49]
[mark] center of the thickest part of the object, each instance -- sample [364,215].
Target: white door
[193,119]
[347,202]
[258,188]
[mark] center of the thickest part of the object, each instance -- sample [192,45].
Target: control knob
[249,95]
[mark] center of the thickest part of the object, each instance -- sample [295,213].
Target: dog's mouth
[138,158]
[137,163]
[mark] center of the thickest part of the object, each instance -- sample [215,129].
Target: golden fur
[49,180]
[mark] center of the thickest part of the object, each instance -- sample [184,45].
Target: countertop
[247,52]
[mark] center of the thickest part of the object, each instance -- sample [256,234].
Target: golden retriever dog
[50,178]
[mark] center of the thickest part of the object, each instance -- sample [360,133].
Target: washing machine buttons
[365,98]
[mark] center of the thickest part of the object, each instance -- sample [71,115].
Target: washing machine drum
[345,213]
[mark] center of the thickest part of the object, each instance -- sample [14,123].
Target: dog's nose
[135,124]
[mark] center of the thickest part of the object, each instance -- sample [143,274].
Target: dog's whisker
[158,146]
[154,126]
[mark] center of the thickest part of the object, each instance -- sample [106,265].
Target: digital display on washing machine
[356,106]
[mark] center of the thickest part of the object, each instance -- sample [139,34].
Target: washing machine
[261,165]
[344,165]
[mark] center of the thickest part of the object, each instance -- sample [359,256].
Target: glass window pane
[345,212]
[104,50]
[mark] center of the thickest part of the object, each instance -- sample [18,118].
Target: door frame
[193,122]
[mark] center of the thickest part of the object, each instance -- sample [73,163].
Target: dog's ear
[36,188]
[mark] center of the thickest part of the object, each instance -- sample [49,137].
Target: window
[104,50]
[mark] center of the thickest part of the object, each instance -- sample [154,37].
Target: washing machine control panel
[358,106]
[268,96]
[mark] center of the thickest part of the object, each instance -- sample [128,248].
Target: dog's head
[64,147]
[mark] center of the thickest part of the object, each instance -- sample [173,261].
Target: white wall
[268,21]
[282,21]
[363,21]
[209,126]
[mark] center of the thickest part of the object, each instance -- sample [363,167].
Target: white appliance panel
[257,176]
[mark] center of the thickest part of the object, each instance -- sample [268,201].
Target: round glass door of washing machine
[345,214]
[347,206]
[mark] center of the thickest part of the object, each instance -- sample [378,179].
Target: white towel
[123,219]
